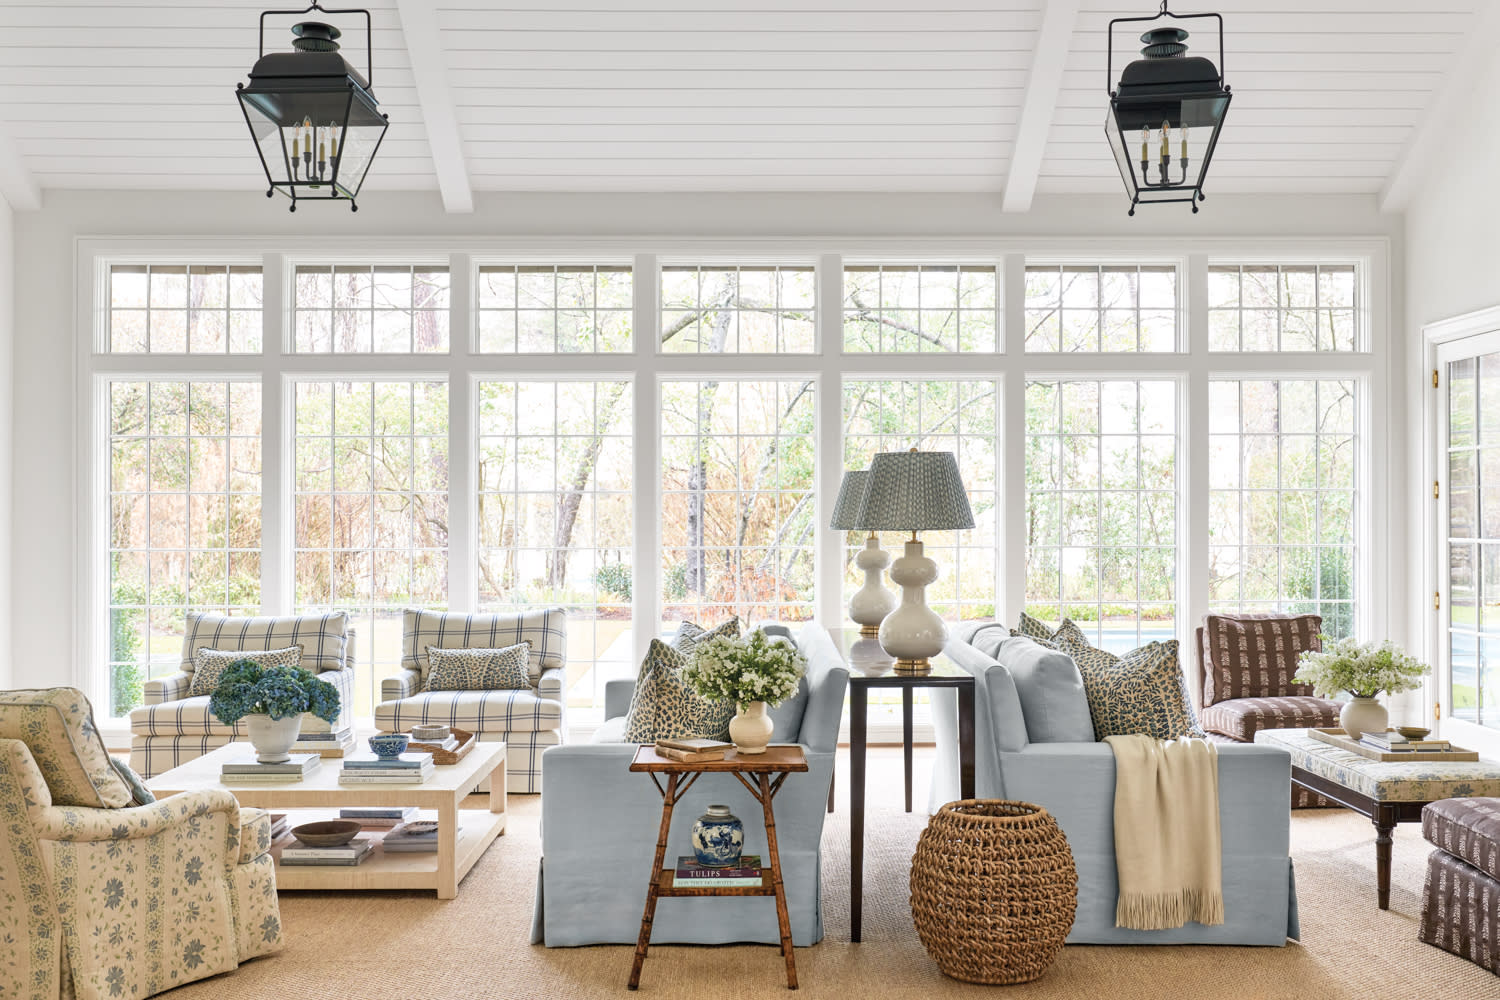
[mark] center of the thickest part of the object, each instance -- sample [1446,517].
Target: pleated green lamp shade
[915,491]
[851,499]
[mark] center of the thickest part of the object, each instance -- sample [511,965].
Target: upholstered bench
[1461,900]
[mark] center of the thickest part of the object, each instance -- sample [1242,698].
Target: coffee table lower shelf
[478,828]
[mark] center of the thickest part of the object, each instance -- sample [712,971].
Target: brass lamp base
[869,631]
[914,668]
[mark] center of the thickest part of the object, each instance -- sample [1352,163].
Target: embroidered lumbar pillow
[1142,691]
[209,664]
[505,669]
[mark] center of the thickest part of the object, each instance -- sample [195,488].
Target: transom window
[371,309]
[926,308]
[181,309]
[737,310]
[1282,307]
[1093,308]
[554,309]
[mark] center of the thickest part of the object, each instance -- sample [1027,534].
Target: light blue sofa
[600,823]
[1031,745]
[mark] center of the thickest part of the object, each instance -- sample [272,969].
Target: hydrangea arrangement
[1364,669]
[246,689]
[744,670]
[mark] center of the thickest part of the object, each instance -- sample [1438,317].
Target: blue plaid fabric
[545,628]
[516,710]
[322,637]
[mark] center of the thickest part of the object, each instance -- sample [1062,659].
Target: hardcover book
[406,760]
[693,744]
[299,763]
[689,870]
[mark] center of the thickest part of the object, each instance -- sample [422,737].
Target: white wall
[7,464]
[45,404]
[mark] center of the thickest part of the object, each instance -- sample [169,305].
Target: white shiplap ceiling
[1003,96]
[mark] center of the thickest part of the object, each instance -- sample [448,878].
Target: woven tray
[1336,737]
[441,756]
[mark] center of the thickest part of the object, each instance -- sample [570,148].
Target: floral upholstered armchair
[101,897]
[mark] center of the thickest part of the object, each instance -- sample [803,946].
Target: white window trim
[645,367]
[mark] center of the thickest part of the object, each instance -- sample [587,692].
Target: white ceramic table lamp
[914,491]
[872,602]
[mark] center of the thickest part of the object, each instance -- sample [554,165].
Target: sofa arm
[173,687]
[402,684]
[617,697]
[550,685]
[80,824]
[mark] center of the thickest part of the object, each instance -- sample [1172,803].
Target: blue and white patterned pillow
[664,707]
[690,634]
[1036,630]
[505,669]
[1143,691]
[209,664]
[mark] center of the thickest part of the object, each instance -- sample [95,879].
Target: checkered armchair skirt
[527,720]
[174,727]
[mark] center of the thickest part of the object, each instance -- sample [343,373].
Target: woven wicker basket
[993,890]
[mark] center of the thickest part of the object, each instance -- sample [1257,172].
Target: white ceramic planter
[273,738]
[751,728]
[1363,715]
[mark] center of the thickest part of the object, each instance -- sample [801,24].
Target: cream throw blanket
[1167,844]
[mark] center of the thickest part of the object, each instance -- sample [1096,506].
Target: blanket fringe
[1167,910]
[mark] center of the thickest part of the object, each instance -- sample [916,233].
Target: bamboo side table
[780,761]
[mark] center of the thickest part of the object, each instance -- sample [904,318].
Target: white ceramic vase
[1363,715]
[913,633]
[751,728]
[871,603]
[272,738]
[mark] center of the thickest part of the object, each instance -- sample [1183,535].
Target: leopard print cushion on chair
[209,664]
[1142,691]
[507,669]
[664,706]
[1255,656]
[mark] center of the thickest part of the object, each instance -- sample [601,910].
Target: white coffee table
[320,796]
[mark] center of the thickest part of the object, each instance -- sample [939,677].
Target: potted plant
[273,699]
[1364,670]
[752,672]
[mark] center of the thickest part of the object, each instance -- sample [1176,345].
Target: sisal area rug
[411,946]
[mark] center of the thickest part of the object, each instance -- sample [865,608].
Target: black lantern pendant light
[315,123]
[1169,102]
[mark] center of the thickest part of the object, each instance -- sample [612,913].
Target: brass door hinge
[1434,378]
[1437,600]
[1435,493]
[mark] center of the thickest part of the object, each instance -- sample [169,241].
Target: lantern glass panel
[1124,123]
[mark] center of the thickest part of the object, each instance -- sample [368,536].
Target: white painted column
[463,489]
[277,589]
[828,444]
[1192,475]
[1012,435]
[645,559]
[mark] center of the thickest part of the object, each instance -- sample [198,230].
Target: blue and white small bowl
[718,838]
[389,746]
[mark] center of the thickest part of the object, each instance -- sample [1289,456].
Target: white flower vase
[272,738]
[1363,715]
[751,728]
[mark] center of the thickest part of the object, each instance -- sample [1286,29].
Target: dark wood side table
[871,667]
[777,760]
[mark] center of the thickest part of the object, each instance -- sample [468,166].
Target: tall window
[371,509]
[934,415]
[737,503]
[365,309]
[1101,508]
[737,310]
[1092,307]
[927,308]
[184,518]
[1282,307]
[555,515]
[1282,497]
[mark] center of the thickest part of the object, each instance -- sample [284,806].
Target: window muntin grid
[926,308]
[184,309]
[1472,420]
[184,518]
[370,309]
[370,509]
[1094,308]
[933,415]
[1101,508]
[737,310]
[555,309]
[1283,307]
[1282,497]
[737,522]
[555,513]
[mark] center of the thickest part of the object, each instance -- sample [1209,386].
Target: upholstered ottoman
[1461,900]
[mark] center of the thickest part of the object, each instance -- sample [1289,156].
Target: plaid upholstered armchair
[527,719]
[176,726]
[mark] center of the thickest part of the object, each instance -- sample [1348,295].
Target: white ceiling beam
[17,184]
[1043,84]
[424,46]
[1447,102]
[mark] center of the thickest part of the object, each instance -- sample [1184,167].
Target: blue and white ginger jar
[718,838]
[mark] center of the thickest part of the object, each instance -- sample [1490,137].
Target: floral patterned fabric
[1397,781]
[505,669]
[1141,692]
[663,706]
[30,932]
[57,725]
[209,664]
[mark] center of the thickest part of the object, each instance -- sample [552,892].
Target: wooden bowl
[328,833]
[1413,732]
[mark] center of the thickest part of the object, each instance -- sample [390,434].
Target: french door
[1467,491]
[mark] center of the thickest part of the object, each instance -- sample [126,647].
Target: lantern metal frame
[292,185]
[1192,192]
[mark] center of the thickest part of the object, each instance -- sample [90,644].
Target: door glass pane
[1473,488]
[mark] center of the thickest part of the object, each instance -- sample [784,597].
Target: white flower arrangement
[1364,669]
[744,670]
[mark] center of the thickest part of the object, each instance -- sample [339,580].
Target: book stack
[380,817]
[449,742]
[692,751]
[1393,742]
[278,826]
[250,770]
[691,875]
[334,744]
[350,854]
[408,769]
[420,837]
